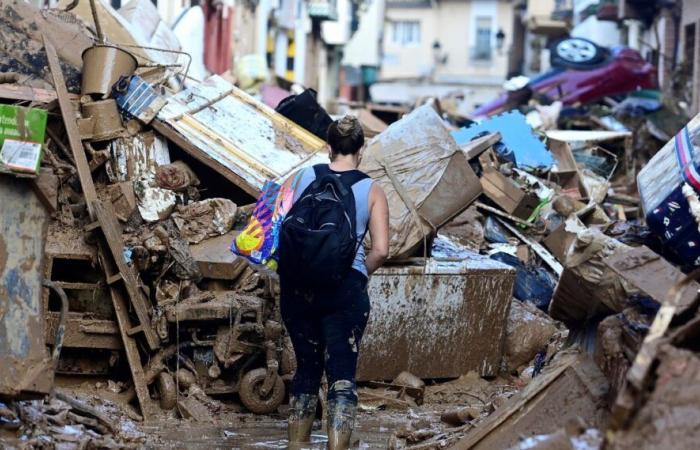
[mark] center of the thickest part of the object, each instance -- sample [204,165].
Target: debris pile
[126,186]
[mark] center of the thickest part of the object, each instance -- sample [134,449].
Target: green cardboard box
[28,125]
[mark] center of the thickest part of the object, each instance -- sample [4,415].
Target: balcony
[542,18]
[322,9]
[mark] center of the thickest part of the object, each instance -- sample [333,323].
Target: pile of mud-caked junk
[124,185]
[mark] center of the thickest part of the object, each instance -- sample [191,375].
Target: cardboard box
[503,191]
[21,137]
[456,190]
[22,124]
[559,241]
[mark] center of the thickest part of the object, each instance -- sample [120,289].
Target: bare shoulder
[376,194]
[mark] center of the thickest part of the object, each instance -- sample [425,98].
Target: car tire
[576,53]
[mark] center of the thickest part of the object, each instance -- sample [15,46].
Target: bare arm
[378,229]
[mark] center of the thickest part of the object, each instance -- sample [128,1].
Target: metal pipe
[61,330]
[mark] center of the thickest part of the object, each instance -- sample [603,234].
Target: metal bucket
[102,67]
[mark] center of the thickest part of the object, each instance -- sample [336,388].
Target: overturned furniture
[455,309]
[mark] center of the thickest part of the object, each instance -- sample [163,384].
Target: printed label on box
[21,155]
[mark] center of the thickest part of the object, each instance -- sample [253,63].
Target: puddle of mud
[264,433]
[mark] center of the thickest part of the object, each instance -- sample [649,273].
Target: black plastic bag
[532,284]
[304,110]
[494,232]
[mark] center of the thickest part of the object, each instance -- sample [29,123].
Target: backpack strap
[349,178]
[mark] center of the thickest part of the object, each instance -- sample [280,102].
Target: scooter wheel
[253,399]
[167,390]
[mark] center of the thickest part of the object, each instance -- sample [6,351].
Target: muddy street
[405,225]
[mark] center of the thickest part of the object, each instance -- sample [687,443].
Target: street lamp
[500,39]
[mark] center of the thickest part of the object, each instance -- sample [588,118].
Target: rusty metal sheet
[439,320]
[23,355]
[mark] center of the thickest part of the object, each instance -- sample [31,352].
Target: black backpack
[304,110]
[318,240]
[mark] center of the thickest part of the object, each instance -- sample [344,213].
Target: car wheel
[576,53]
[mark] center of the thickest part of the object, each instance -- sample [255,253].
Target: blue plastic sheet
[516,135]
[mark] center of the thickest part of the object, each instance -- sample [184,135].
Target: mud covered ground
[385,420]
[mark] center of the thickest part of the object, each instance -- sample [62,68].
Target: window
[405,32]
[482,50]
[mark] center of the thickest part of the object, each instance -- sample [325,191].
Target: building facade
[434,46]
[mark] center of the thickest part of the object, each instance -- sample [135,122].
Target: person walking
[324,272]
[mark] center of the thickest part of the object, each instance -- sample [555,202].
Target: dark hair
[345,136]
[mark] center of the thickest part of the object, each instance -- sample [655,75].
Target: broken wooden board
[18,92]
[572,388]
[216,260]
[240,138]
[536,247]
[190,407]
[82,332]
[652,275]
[113,236]
[474,148]
[69,121]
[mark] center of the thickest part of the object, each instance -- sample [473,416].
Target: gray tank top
[360,191]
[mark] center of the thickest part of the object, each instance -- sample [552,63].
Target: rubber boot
[301,419]
[341,422]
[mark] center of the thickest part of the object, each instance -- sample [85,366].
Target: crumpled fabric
[418,149]
[201,220]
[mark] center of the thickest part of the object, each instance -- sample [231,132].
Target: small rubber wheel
[250,392]
[167,390]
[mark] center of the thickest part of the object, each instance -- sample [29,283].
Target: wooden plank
[114,278]
[498,212]
[26,93]
[113,237]
[77,286]
[506,411]
[148,406]
[201,128]
[84,333]
[474,148]
[189,148]
[69,121]
[305,136]
[536,247]
[573,380]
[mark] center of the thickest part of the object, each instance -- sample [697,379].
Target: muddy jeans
[326,328]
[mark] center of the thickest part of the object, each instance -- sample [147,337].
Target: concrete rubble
[533,299]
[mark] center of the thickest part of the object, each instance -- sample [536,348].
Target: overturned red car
[582,73]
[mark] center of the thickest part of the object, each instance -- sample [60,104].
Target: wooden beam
[542,252]
[474,148]
[26,93]
[113,236]
[69,121]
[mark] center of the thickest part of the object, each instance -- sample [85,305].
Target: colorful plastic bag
[259,240]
